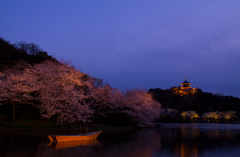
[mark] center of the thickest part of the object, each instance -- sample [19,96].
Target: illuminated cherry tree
[140,107]
[218,115]
[16,87]
[190,114]
[64,91]
[72,96]
[229,115]
[105,98]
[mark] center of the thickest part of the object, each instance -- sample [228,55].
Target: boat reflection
[61,145]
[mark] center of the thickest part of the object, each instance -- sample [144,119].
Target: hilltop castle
[184,89]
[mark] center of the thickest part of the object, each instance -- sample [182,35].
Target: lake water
[165,140]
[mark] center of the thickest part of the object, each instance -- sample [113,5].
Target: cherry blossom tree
[218,115]
[140,107]
[64,91]
[213,115]
[105,98]
[73,96]
[16,87]
[229,115]
[105,102]
[190,114]
[137,105]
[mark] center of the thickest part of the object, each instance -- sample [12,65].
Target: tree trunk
[58,119]
[14,111]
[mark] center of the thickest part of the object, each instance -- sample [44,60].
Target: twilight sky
[135,43]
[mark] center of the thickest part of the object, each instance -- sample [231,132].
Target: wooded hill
[200,102]
[20,53]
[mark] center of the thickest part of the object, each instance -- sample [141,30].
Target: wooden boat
[78,137]
[61,145]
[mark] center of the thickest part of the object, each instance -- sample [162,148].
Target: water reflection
[191,140]
[186,150]
[186,140]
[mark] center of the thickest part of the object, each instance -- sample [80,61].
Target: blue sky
[135,43]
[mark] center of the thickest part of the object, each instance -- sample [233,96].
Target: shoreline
[86,129]
[67,129]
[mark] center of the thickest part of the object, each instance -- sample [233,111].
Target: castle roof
[185,81]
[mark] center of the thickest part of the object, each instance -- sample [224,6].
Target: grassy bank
[52,125]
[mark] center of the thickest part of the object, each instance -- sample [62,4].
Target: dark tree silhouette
[20,53]
[29,48]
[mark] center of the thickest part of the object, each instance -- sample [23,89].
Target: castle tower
[185,84]
[184,89]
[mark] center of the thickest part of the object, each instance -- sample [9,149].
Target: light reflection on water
[178,140]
